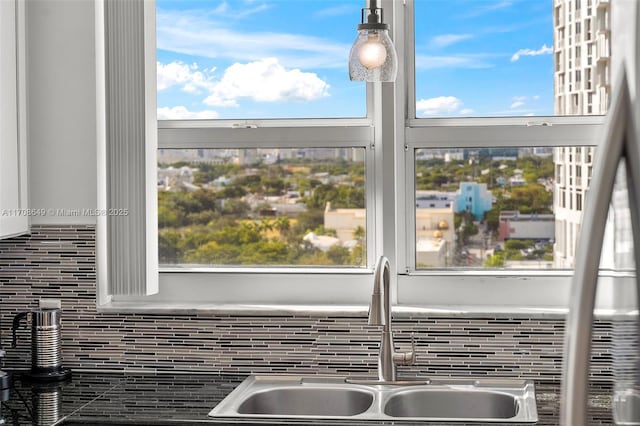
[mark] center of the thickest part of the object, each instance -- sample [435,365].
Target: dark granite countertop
[170,399]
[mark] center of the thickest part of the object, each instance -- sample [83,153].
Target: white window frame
[274,285]
[479,290]
[219,288]
[390,134]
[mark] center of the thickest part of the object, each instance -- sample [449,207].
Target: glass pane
[226,59]
[262,207]
[488,58]
[514,208]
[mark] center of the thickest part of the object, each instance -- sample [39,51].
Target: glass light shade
[373,57]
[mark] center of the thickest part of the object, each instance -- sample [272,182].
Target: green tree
[283,225]
[338,255]
[518,244]
[251,183]
[168,246]
[530,198]
[494,261]
[235,207]
[273,185]
[358,255]
[264,253]
[213,253]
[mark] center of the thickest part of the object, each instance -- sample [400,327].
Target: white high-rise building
[581,48]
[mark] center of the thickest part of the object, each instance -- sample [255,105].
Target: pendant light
[373,56]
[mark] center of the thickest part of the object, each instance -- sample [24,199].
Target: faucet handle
[406,358]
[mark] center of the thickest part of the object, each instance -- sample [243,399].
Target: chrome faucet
[380,314]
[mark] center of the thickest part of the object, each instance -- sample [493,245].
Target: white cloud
[439,106]
[491,7]
[178,73]
[466,111]
[182,113]
[544,50]
[445,40]
[265,80]
[333,11]
[222,8]
[520,101]
[206,34]
[238,13]
[426,62]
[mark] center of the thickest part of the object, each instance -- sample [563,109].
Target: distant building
[474,198]
[344,221]
[321,242]
[447,155]
[435,199]
[221,181]
[582,52]
[432,253]
[194,156]
[516,180]
[171,178]
[514,225]
[435,232]
[435,236]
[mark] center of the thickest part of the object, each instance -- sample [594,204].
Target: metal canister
[46,347]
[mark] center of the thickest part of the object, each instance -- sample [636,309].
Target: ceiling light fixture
[373,56]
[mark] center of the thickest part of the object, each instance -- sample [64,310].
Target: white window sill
[469,294]
[402,311]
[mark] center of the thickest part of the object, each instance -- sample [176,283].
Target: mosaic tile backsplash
[59,262]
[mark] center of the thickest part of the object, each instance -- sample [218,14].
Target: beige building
[435,236]
[581,48]
[435,231]
[344,221]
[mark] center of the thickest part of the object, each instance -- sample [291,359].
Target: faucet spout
[380,314]
[379,309]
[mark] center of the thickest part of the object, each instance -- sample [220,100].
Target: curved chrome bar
[618,135]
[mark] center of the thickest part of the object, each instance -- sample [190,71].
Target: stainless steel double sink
[317,397]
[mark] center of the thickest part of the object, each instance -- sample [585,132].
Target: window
[262,207]
[570,200]
[508,144]
[496,236]
[233,199]
[570,174]
[454,50]
[579,201]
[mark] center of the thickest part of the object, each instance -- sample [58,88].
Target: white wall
[61,107]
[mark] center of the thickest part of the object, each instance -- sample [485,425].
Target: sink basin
[307,401]
[322,397]
[452,404]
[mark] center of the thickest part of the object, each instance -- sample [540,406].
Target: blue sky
[287,58]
